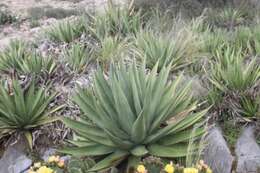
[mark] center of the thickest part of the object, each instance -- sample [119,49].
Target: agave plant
[22,110]
[65,31]
[179,51]
[133,114]
[36,64]
[18,57]
[231,73]
[116,21]
[78,57]
[111,49]
[12,56]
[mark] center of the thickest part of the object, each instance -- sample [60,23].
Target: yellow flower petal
[44,169]
[51,159]
[169,168]
[141,169]
[209,170]
[190,170]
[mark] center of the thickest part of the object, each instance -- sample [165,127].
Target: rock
[197,89]
[217,154]
[47,153]
[14,159]
[248,152]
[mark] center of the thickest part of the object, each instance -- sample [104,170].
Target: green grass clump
[78,57]
[179,48]
[37,13]
[116,21]
[19,58]
[65,31]
[112,49]
[6,17]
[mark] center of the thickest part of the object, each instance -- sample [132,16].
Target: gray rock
[248,152]
[14,159]
[47,153]
[217,154]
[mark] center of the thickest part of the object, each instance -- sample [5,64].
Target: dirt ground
[20,8]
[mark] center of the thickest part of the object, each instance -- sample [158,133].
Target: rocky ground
[22,10]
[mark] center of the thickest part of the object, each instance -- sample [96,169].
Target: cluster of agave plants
[140,102]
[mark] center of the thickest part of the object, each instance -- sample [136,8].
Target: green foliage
[231,73]
[65,31]
[112,49]
[6,17]
[228,17]
[116,21]
[22,109]
[11,57]
[232,79]
[78,57]
[132,114]
[18,57]
[37,13]
[77,165]
[249,107]
[180,48]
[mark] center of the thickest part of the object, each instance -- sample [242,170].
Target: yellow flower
[37,165]
[169,168]
[190,170]
[141,169]
[51,159]
[44,169]
[31,171]
[209,171]
[61,163]
[57,159]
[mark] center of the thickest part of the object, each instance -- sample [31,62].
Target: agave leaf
[183,136]
[94,150]
[109,161]
[29,138]
[168,151]
[139,151]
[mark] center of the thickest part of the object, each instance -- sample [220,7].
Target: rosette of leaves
[132,114]
[23,109]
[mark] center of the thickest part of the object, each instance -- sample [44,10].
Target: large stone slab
[247,152]
[14,160]
[217,154]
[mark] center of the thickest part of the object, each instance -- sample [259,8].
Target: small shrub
[229,17]
[11,57]
[78,57]
[6,17]
[179,48]
[19,58]
[157,116]
[65,31]
[116,21]
[112,49]
[37,13]
[233,81]
[23,109]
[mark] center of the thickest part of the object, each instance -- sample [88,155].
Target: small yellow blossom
[31,171]
[190,170]
[57,159]
[61,163]
[44,169]
[169,168]
[37,165]
[209,171]
[51,159]
[141,169]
